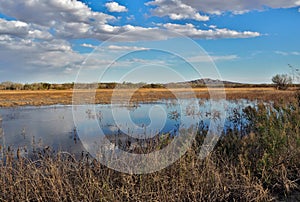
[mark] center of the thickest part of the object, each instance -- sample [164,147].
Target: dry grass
[263,165]
[62,178]
[51,97]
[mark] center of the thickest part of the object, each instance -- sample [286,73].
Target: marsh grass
[258,162]
[103,96]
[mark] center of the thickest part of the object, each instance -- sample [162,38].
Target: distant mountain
[205,81]
[210,81]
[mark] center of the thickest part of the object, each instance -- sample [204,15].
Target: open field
[50,97]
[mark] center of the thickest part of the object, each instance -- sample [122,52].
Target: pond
[61,127]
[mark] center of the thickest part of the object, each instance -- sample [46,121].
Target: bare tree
[282,81]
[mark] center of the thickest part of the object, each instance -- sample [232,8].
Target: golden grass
[51,97]
[263,165]
[63,178]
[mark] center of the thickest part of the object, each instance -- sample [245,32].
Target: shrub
[282,81]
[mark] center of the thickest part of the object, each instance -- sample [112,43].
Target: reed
[258,162]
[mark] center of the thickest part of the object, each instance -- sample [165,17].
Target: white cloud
[49,53]
[176,10]
[88,45]
[204,58]
[116,47]
[217,7]
[28,60]
[281,53]
[53,12]
[73,19]
[224,57]
[212,26]
[294,53]
[130,18]
[68,20]
[191,31]
[115,7]
[52,60]
[126,48]
[22,29]
[39,37]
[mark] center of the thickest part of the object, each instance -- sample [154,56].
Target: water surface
[32,127]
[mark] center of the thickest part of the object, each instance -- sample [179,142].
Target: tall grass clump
[257,162]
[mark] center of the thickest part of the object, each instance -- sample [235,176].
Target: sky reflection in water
[25,127]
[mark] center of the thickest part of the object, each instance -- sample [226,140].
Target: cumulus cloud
[191,31]
[216,6]
[68,19]
[26,60]
[52,12]
[27,54]
[52,60]
[54,53]
[134,33]
[53,56]
[74,20]
[104,32]
[41,32]
[115,7]
[176,10]
[22,29]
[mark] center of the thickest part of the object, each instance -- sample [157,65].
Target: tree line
[8,85]
[281,82]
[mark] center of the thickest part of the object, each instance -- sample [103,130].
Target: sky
[61,41]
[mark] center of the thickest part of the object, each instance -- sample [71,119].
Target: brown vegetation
[261,165]
[51,97]
[260,162]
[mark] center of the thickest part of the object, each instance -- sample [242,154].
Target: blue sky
[54,40]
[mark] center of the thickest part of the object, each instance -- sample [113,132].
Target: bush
[282,81]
